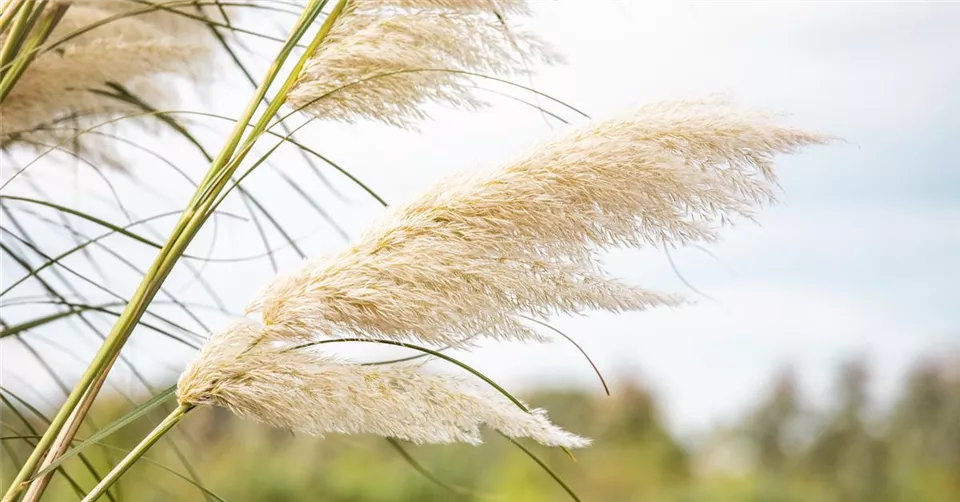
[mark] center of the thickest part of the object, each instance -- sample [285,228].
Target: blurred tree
[768,430]
[925,431]
[770,425]
[844,455]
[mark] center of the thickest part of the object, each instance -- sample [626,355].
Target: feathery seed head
[496,6]
[478,249]
[385,60]
[244,370]
[472,255]
[62,89]
[176,18]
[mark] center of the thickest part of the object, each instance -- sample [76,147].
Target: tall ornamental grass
[486,254]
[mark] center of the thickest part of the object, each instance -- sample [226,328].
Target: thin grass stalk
[21,15]
[27,18]
[131,458]
[262,125]
[48,20]
[118,424]
[187,227]
[39,485]
[546,468]
[9,12]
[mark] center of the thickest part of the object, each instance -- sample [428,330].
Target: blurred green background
[783,449]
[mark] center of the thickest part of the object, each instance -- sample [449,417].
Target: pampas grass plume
[478,249]
[303,390]
[385,60]
[61,84]
[477,252]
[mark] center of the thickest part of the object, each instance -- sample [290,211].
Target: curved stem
[151,439]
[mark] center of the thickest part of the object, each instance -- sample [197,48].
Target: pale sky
[859,259]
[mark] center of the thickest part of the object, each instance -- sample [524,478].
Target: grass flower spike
[472,255]
[69,84]
[385,60]
[477,250]
[303,390]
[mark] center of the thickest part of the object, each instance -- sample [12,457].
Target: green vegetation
[781,450]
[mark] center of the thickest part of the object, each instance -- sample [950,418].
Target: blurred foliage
[782,450]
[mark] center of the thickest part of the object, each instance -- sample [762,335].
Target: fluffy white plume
[476,250]
[96,46]
[474,253]
[496,6]
[385,60]
[300,389]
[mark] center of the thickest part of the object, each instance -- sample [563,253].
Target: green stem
[9,12]
[19,27]
[151,439]
[221,179]
[57,437]
[47,20]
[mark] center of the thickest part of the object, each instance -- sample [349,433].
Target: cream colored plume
[475,253]
[58,91]
[242,369]
[472,253]
[385,60]
[174,17]
[499,7]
